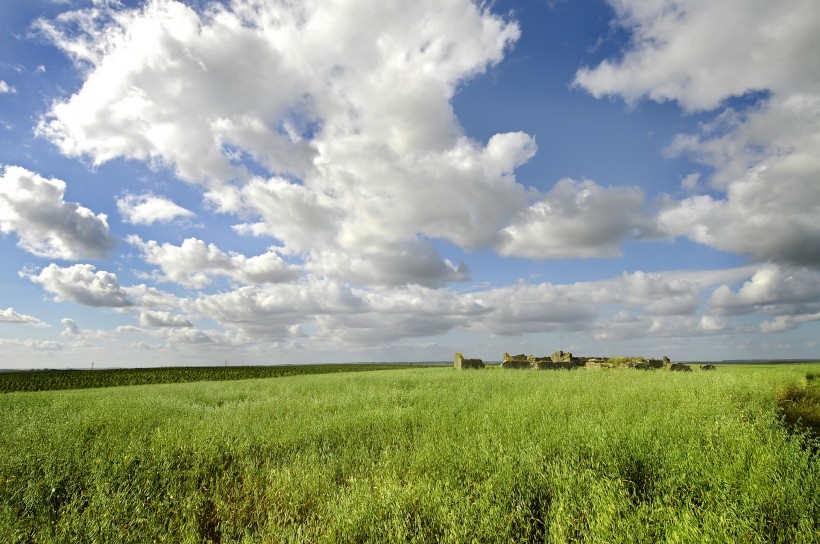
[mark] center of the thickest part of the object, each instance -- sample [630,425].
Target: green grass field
[51,380]
[418,455]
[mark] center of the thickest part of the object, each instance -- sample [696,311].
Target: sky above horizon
[262,181]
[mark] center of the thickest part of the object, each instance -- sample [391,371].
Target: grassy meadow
[50,380]
[418,455]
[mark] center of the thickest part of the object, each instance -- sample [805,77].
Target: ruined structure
[561,357]
[566,360]
[515,361]
[556,361]
[460,362]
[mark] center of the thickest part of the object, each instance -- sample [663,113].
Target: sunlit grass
[51,380]
[420,455]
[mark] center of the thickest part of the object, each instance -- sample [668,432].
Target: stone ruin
[460,362]
[565,360]
[556,361]
[515,361]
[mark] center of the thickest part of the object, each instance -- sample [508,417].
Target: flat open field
[418,455]
[50,380]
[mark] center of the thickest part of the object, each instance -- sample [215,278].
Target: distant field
[49,380]
[418,455]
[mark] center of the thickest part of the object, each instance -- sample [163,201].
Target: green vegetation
[48,380]
[800,404]
[616,361]
[415,455]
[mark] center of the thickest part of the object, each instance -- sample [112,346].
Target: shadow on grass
[800,406]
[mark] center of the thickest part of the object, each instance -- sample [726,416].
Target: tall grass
[49,380]
[420,455]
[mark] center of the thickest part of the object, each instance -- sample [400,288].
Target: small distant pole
[226,363]
[92,365]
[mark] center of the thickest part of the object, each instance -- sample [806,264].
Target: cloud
[150,297]
[10,316]
[170,86]
[767,163]
[632,305]
[711,323]
[524,308]
[71,330]
[186,338]
[269,310]
[686,327]
[148,209]
[772,289]
[699,53]
[176,333]
[402,263]
[80,337]
[47,226]
[6,88]
[30,343]
[654,293]
[790,295]
[763,198]
[213,103]
[193,263]
[163,319]
[130,329]
[782,323]
[575,219]
[402,312]
[81,284]
[330,313]
[331,141]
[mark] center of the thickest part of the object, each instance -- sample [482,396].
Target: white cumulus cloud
[782,323]
[193,263]
[766,163]
[576,219]
[148,209]
[10,316]
[34,209]
[80,337]
[772,289]
[699,52]
[271,310]
[764,197]
[328,127]
[150,318]
[82,284]
[31,343]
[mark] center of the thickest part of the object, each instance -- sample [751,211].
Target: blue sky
[251,181]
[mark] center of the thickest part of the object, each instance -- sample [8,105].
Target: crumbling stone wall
[520,361]
[460,362]
[655,363]
[561,357]
[565,360]
[554,362]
